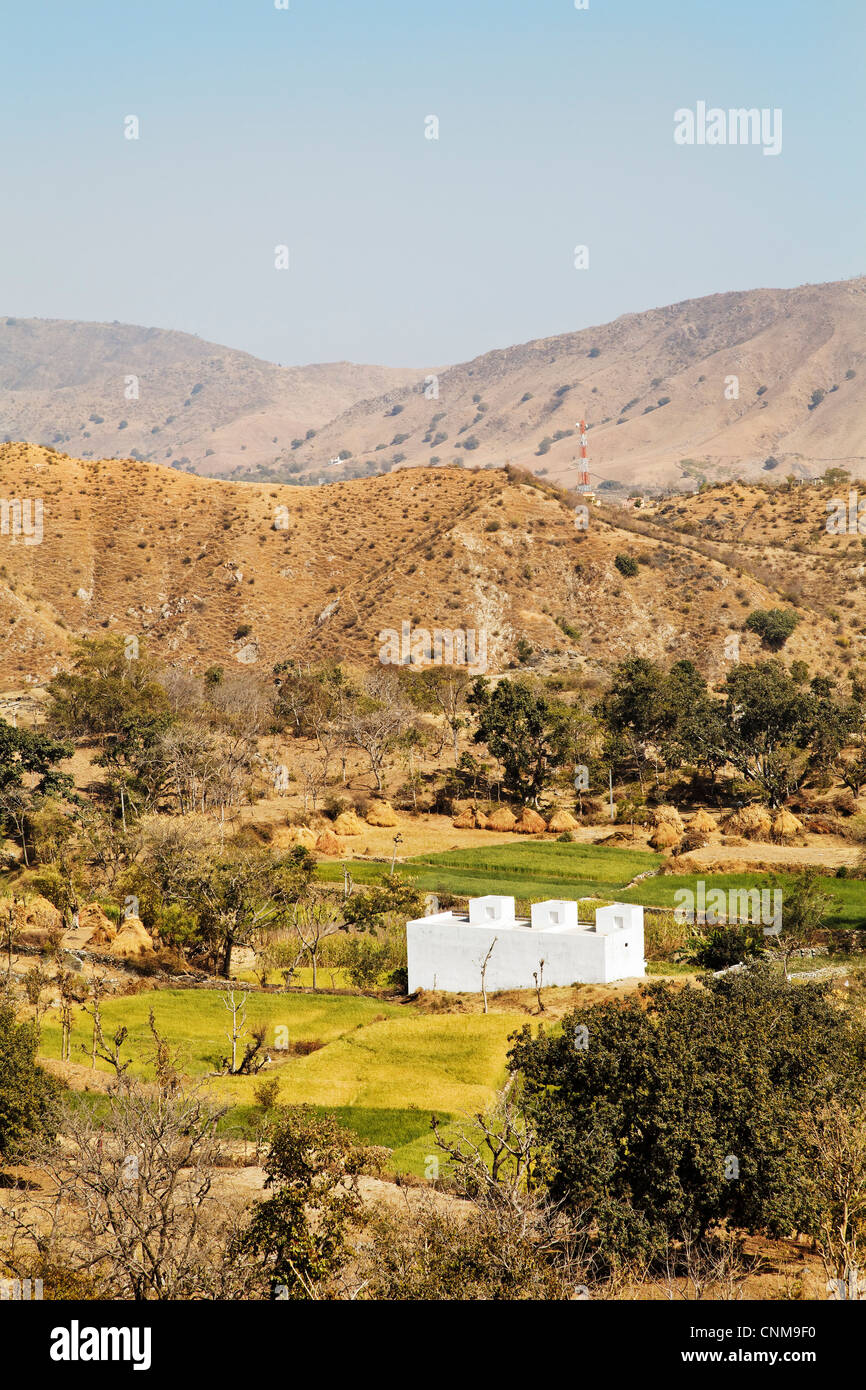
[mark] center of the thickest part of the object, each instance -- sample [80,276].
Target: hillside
[200,407]
[206,572]
[651,387]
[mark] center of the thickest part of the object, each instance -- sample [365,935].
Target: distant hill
[719,387]
[200,407]
[214,572]
[656,390]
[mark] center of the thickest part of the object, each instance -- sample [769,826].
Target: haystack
[786,827]
[481,820]
[349,823]
[530,822]
[132,939]
[465,821]
[668,815]
[380,813]
[303,835]
[327,843]
[562,820]
[665,836]
[703,823]
[501,819]
[752,822]
[34,915]
[100,930]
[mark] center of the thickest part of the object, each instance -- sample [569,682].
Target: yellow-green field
[384,1068]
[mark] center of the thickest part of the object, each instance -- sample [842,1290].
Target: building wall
[447,954]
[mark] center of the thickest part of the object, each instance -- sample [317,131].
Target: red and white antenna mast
[583,475]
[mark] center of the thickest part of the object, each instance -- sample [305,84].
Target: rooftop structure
[448,950]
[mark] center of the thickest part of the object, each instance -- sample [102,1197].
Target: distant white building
[447,950]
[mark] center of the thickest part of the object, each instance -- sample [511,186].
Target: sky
[307,128]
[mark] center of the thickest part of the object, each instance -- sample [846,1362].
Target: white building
[447,950]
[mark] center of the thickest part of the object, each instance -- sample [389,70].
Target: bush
[627,565]
[773,625]
[722,946]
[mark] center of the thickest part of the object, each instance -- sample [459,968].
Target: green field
[848,909]
[548,869]
[542,869]
[384,1068]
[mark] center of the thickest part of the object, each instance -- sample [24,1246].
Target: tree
[773,625]
[514,723]
[836,1176]
[508,1241]
[28,774]
[443,689]
[647,706]
[130,1211]
[111,691]
[375,721]
[238,897]
[805,905]
[769,724]
[29,1097]
[669,1113]
[298,1238]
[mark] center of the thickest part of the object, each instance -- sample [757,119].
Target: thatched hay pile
[665,836]
[349,823]
[327,843]
[465,821]
[303,835]
[786,827]
[501,819]
[752,822]
[668,815]
[36,916]
[380,813]
[101,930]
[131,940]
[530,822]
[562,820]
[703,823]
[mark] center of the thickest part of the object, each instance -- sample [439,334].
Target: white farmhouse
[447,950]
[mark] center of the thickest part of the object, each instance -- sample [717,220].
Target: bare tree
[484,965]
[837,1177]
[312,922]
[253,1058]
[130,1211]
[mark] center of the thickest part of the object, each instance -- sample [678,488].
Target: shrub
[627,565]
[773,625]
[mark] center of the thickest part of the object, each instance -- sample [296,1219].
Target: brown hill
[652,388]
[200,407]
[218,572]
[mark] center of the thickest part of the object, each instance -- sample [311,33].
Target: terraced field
[384,1068]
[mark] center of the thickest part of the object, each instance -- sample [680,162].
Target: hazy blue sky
[306,127]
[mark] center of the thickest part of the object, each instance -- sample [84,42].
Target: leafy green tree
[514,723]
[29,1097]
[299,1236]
[28,774]
[239,896]
[107,688]
[773,625]
[668,1113]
